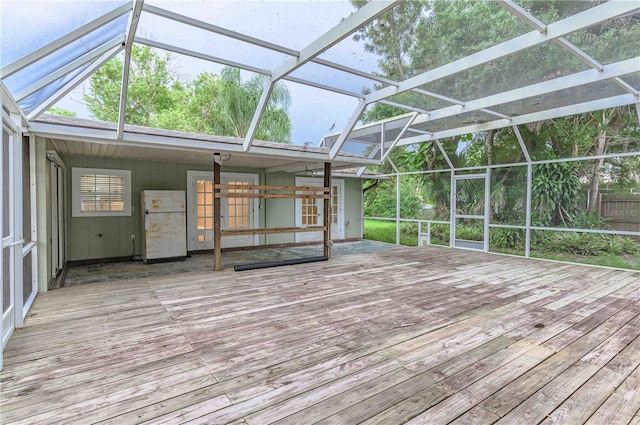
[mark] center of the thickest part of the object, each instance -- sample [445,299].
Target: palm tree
[237,101]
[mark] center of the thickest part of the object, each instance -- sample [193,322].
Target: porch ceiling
[72,136]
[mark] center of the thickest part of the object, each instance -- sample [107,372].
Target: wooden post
[327,210]
[217,240]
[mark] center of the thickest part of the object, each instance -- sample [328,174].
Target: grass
[385,231]
[631,262]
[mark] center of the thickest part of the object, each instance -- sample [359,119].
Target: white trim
[243,66]
[347,130]
[124,86]
[594,105]
[346,27]
[9,242]
[454,208]
[574,80]
[8,101]
[209,144]
[77,172]
[257,115]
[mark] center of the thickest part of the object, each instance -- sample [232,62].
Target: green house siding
[352,208]
[109,237]
[280,212]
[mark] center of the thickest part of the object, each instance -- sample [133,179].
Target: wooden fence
[623,212]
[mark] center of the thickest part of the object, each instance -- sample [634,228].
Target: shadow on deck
[197,262]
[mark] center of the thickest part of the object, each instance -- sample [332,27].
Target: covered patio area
[203,261]
[412,335]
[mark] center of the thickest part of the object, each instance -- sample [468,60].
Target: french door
[310,212]
[337,209]
[9,243]
[236,213]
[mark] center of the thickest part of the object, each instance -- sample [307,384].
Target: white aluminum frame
[528,227]
[59,43]
[79,79]
[555,30]
[552,32]
[61,72]
[134,19]
[594,105]
[346,27]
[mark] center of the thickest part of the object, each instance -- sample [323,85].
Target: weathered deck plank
[414,335]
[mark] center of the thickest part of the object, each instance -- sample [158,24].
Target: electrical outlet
[133,237]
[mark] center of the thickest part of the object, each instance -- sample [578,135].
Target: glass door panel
[309,211]
[237,213]
[337,209]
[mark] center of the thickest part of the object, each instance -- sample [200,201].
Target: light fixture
[308,172]
[219,158]
[55,158]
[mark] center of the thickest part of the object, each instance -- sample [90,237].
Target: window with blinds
[99,192]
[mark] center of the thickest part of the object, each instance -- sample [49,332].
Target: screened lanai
[553,60]
[465,116]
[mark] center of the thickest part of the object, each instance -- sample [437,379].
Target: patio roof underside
[42,64]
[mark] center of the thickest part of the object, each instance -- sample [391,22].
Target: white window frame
[75,192]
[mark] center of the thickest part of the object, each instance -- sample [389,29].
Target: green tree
[222,105]
[148,93]
[381,201]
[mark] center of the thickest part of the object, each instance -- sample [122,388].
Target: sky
[291,23]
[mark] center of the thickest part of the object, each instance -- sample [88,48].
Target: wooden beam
[268,187]
[269,195]
[217,226]
[327,210]
[272,230]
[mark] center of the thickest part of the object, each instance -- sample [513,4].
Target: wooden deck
[414,335]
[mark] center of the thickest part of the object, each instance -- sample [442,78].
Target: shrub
[590,244]
[440,233]
[590,220]
[409,228]
[469,232]
[507,238]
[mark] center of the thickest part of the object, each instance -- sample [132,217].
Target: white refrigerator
[164,231]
